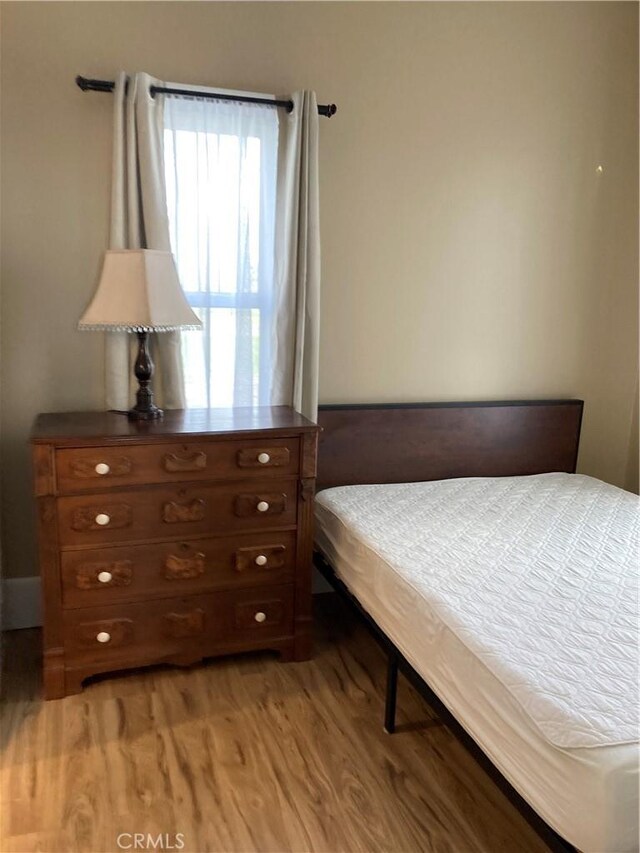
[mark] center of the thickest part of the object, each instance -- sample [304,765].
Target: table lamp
[139,291]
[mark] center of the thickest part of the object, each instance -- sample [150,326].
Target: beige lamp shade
[139,291]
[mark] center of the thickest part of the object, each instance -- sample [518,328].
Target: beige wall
[470,248]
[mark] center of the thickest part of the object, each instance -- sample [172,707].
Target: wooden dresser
[172,541]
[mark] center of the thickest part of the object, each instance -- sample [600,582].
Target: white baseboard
[20,603]
[21,606]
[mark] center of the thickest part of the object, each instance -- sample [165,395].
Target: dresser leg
[53,686]
[73,682]
[287,652]
[303,650]
[298,649]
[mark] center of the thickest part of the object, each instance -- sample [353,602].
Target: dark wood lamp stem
[145,409]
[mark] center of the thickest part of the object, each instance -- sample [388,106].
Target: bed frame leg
[392,693]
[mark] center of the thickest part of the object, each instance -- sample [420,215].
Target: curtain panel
[296,332]
[139,221]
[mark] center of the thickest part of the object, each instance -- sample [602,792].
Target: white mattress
[516,599]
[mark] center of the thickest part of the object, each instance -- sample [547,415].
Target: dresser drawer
[162,512]
[137,572]
[137,633]
[90,468]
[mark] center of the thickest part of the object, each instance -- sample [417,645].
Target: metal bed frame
[396,662]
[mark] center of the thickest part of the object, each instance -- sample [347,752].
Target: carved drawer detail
[265,504]
[98,469]
[262,557]
[104,574]
[188,624]
[105,632]
[174,512]
[263,457]
[101,517]
[185,566]
[178,463]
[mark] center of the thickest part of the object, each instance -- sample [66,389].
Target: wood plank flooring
[243,754]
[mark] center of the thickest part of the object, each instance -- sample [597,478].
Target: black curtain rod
[87,85]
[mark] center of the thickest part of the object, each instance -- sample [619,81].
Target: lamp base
[144,409]
[151,414]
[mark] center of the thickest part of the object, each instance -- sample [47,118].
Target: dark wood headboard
[410,442]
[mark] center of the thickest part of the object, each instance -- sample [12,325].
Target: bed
[507,583]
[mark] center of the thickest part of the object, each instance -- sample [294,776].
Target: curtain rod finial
[328,110]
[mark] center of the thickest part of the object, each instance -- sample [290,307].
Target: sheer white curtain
[221,163]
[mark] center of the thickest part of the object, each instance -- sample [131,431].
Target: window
[221,169]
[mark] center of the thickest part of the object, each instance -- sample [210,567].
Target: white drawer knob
[102,468]
[263,506]
[102,518]
[105,577]
[260,616]
[103,637]
[261,560]
[263,458]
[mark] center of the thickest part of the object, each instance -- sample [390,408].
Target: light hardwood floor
[243,754]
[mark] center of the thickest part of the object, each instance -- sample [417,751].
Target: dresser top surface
[65,427]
